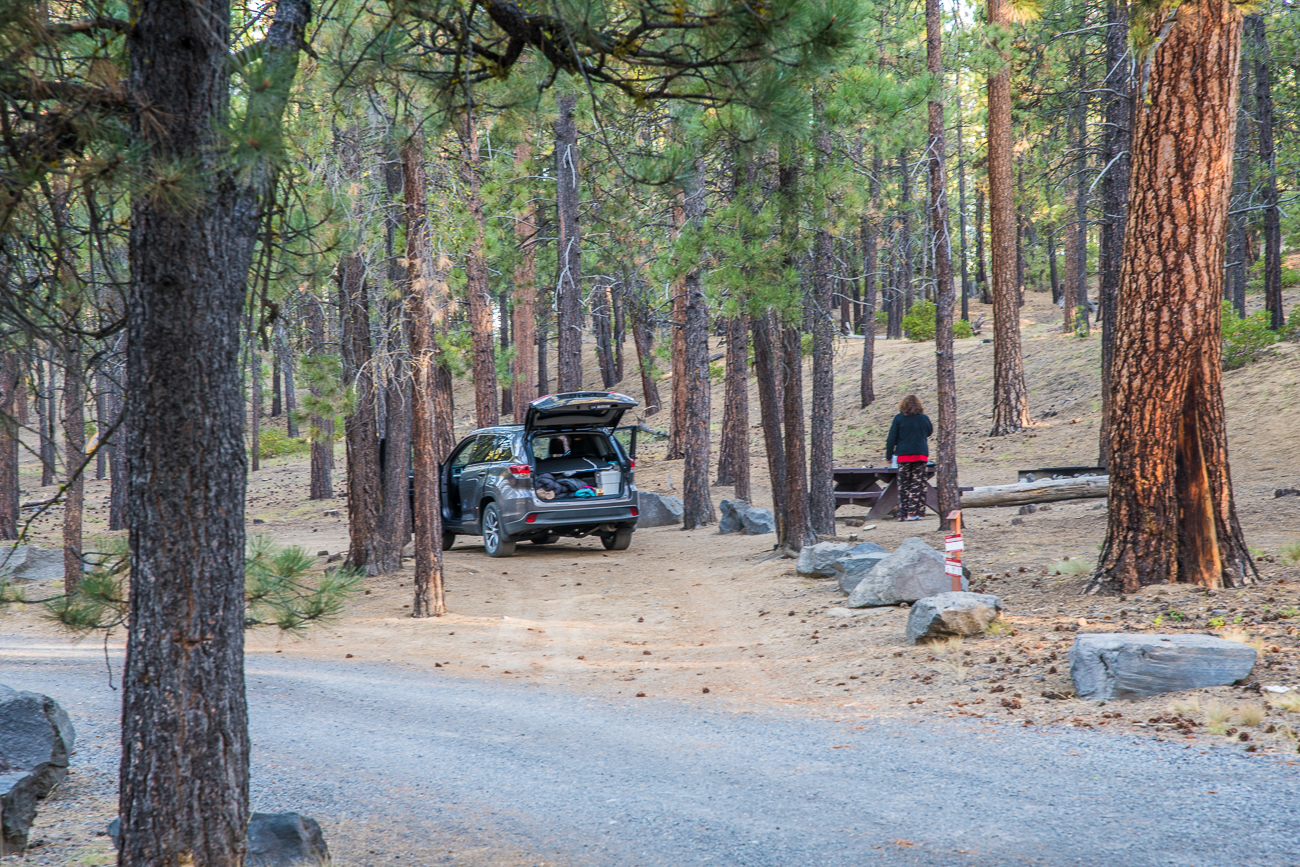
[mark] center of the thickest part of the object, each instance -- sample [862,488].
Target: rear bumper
[586,517]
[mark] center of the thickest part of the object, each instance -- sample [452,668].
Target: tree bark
[568,285]
[425,302]
[771,409]
[185,747]
[961,199]
[600,324]
[74,448]
[981,273]
[119,473]
[1010,396]
[254,403]
[945,376]
[1044,491]
[477,289]
[677,430]
[101,420]
[523,319]
[1172,516]
[797,525]
[277,405]
[643,337]
[820,305]
[10,377]
[733,452]
[870,232]
[1080,228]
[1268,161]
[697,501]
[45,418]
[321,426]
[1114,196]
[283,352]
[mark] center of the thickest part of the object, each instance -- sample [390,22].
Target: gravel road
[428,764]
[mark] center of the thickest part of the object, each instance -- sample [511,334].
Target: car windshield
[573,445]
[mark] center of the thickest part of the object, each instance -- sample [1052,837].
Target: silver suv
[562,472]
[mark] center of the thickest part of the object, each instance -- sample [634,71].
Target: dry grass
[1290,553]
[1290,702]
[1249,715]
[1216,718]
[998,627]
[1071,566]
[1186,707]
[1241,636]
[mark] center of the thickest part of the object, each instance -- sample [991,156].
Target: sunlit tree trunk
[523,318]
[1172,515]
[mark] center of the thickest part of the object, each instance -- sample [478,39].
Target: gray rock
[1027,509]
[947,614]
[866,548]
[758,521]
[29,563]
[36,737]
[658,510]
[274,840]
[733,511]
[17,810]
[285,840]
[852,569]
[1116,665]
[818,561]
[913,572]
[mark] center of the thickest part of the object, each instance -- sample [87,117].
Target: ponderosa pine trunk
[285,355]
[185,747]
[1268,162]
[118,473]
[677,324]
[10,377]
[44,418]
[601,324]
[643,337]
[568,284]
[797,525]
[821,421]
[74,448]
[1010,395]
[733,451]
[903,297]
[697,500]
[981,272]
[523,318]
[1118,98]
[254,403]
[870,233]
[771,409]
[1172,517]
[945,458]
[277,405]
[961,200]
[321,427]
[425,304]
[477,289]
[1080,228]
[101,419]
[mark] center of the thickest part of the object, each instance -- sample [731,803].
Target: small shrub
[1290,553]
[1217,715]
[998,627]
[1289,702]
[919,323]
[1290,278]
[882,317]
[1186,707]
[1076,566]
[1245,340]
[275,443]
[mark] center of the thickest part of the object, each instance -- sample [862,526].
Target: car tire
[549,539]
[495,541]
[448,539]
[619,540]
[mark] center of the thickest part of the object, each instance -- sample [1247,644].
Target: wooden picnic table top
[880,471]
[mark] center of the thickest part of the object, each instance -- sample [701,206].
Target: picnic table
[877,487]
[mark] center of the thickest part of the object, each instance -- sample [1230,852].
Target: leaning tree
[1172,516]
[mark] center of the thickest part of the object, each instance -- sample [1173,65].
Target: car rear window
[573,445]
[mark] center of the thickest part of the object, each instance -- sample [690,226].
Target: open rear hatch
[577,409]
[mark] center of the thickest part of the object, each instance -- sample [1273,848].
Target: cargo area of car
[575,465]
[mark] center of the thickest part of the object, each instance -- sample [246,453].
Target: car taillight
[531,519]
[635,513]
[518,470]
[631,465]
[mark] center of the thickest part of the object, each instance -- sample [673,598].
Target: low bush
[275,443]
[919,323]
[1245,340]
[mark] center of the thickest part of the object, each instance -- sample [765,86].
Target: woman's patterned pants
[911,489]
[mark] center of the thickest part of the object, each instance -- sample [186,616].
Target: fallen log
[1046,491]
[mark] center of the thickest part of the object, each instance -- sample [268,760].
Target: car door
[472,479]
[452,473]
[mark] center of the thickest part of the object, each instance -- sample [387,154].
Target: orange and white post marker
[952,548]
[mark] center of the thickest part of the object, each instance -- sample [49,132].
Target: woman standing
[907,443]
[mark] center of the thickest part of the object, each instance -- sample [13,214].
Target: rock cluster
[740,517]
[36,739]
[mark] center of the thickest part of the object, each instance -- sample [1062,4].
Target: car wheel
[619,540]
[548,539]
[495,540]
[448,539]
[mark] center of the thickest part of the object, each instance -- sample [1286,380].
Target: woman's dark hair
[910,405]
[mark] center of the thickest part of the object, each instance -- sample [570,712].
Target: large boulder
[658,510]
[274,840]
[1108,665]
[913,572]
[852,568]
[29,563]
[947,614]
[733,512]
[18,794]
[758,521]
[36,737]
[865,548]
[818,561]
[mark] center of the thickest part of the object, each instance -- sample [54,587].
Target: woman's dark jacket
[908,434]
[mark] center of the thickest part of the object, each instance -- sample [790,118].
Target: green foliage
[275,443]
[918,323]
[1290,278]
[1245,340]
[280,589]
[1290,553]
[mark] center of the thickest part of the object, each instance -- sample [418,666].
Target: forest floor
[706,618]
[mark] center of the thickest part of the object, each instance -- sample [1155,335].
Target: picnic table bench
[877,487]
